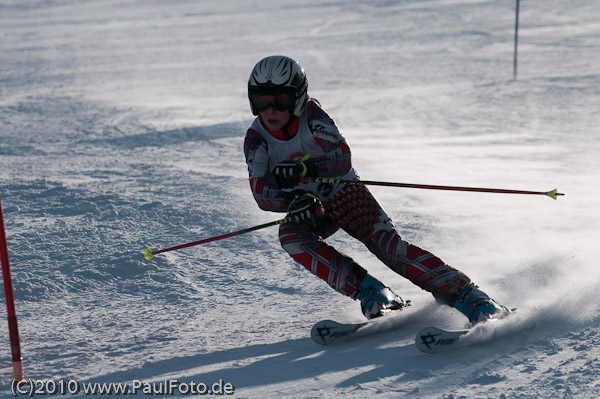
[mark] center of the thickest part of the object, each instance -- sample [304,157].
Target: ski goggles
[280,102]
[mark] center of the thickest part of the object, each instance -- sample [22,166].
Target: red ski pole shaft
[552,194]
[13,329]
[148,253]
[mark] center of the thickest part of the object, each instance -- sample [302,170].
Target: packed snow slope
[121,128]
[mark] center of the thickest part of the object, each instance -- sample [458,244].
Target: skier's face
[275,119]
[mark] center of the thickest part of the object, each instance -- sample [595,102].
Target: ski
[326,332]
[433,339]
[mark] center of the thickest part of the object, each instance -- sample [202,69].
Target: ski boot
[377,300]
[478,306]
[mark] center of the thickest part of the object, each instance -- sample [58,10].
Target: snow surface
[121,128]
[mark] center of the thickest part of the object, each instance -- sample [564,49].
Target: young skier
[292,140]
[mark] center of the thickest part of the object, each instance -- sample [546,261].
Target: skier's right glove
[287,174]
[306,208]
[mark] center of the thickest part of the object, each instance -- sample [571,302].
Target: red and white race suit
[351,208]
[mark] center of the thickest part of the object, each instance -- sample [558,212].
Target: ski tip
[554,193]
[327,332]
[321,331]
[148,254]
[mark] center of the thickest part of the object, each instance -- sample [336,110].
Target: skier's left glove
[287,174]
[306,208]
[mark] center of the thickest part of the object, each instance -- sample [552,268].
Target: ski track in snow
[121,128]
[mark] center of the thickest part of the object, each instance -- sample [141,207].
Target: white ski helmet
[278,74]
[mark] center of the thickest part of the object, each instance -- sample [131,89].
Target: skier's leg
[339,271]
[308,248]
[356,210]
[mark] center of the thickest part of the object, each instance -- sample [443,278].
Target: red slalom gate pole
[13,329]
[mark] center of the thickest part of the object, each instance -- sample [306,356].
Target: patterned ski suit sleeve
[267,195]
[337,160]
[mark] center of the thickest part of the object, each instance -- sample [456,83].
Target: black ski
[327,332]
[433,339]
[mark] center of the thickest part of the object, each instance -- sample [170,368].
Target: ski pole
[148,254]
[552,194]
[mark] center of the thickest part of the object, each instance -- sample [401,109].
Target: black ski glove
[287,174]
[306,208]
